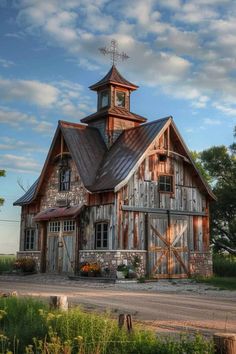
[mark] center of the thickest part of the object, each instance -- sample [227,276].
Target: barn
[115,188]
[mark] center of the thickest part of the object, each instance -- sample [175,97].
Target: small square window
[120,99]
[166,184]
[69,225]
[54,226]
[162,158]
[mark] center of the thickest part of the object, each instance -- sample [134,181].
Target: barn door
[68,254]
[52,254]
[168,246]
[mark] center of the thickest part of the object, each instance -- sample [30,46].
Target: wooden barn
[118,187]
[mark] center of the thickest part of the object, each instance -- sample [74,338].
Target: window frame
[124,93]
[103,92]
[31,242]
[68,226]
[64,186]
[54,226]
[171,184]
[102,234]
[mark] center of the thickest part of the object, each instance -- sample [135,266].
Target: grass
[27,326]
[6,262]
[224,266]
[223,283]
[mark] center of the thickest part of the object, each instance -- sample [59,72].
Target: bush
[224,266]
[29,323]
[25,265]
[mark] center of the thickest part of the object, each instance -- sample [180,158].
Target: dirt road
[159,309]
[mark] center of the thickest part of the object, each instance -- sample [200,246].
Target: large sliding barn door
[168,246]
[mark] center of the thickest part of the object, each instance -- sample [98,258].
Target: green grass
[27,326]
[6,262]
[223,283]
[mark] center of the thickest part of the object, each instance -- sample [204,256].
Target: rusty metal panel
[28,196]
[125,153]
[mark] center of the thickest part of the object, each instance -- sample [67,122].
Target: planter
[120,275]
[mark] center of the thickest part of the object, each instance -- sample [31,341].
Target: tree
[2,174]
[219,162]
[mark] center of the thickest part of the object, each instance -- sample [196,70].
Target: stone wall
[36,255]
[111,259]
[200,264]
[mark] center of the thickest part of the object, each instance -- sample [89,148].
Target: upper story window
[101,235]
[30,238]
[64,179]
[120,99]
[104,99]
[166,184]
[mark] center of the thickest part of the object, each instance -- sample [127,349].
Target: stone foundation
[111,259]
[36,255]
[200,264]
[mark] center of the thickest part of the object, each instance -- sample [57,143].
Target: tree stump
[58,302]
[225,343]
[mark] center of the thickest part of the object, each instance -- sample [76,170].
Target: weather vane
[113,51]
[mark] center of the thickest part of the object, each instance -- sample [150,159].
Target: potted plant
[122,271]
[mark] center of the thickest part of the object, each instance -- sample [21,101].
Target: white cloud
[6,63]
[36,92]
[210,121]
[8,143]
[19,163]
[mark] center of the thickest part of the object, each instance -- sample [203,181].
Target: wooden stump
[58,302]
[225,343]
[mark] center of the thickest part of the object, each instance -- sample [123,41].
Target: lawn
[28,326]
[223,283]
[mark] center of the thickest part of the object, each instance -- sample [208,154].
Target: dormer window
[120,99]
[104,99]
[64,179]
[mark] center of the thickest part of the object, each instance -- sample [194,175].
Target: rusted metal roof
[28,196]
[114,77]
[54,213]
[125,153]
[87,149]
[116,112]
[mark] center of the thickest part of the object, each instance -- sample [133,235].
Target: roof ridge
[149,123]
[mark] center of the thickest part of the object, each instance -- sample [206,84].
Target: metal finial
[113,51]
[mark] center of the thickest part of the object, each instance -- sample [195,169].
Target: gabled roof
[114,77]
[116,112]
[101,169]
[125,153]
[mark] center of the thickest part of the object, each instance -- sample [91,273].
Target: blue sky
[182,55]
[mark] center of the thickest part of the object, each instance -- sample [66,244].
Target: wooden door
[168,246]
[68,253]
[53,254]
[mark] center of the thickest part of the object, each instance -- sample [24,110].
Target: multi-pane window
[69,225]
[64,179]
[29,240]
[120,99]
[101,235]
[104,98]
[166,184]
[54,226]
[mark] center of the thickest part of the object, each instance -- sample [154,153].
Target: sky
[182,56]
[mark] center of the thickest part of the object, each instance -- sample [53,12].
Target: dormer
[113,106]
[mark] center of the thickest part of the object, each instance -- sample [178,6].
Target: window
[29,240]
[162,158]
[54,226]
[68,225]
[64,179]
[120,99]
[104,99]
[101,235]
[166,184]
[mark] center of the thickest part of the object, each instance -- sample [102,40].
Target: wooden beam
[162,211]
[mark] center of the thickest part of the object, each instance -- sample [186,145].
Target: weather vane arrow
[113,52]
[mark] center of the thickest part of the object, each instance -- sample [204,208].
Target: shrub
[26,265]
[6,263]
[224,265]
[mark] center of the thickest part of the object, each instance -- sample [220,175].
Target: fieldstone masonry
[201,264]
[112,258]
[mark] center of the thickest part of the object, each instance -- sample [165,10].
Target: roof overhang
[59,213]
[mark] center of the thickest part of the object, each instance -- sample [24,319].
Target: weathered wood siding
[27,222]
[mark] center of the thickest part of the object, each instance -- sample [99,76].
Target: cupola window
[120,99]
[104,99]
